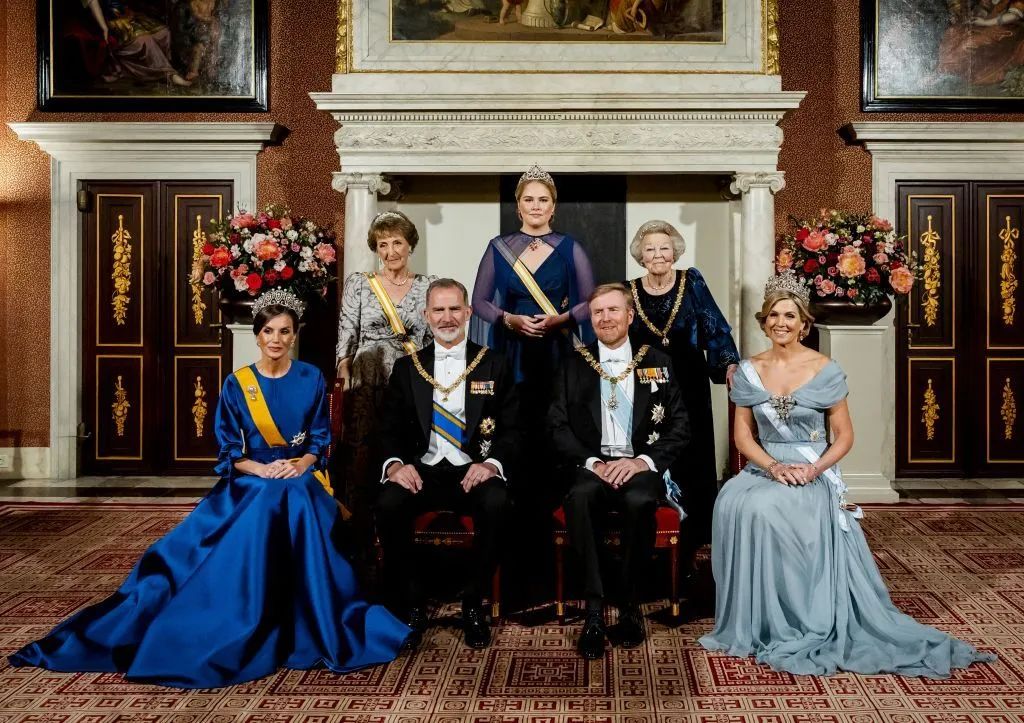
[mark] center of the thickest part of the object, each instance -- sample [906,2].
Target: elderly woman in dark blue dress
[675,311]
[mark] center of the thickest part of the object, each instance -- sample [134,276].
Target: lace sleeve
[584,283]
[483,289]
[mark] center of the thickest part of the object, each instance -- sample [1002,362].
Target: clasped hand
[283,469]
[534,326]
[619,471]
[408,476]
[795,475]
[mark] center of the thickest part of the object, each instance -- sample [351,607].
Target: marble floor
[178,490]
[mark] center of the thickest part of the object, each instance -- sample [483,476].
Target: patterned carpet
[960,568]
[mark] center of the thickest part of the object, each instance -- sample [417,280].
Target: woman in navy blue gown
[251,581]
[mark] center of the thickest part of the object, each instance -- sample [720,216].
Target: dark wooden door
[960,347]
[153,358]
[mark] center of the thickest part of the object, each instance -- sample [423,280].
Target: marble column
[360,191]
[757,250]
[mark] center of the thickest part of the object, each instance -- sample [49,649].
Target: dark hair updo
[263,317]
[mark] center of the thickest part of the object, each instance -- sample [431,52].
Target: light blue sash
[832,475]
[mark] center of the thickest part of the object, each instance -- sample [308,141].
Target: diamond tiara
[388,215]
[536,173]
[787,281]
[278,297]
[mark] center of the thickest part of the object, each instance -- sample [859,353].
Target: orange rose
[266,249]
[784,260]
[815,241]
[851,263]
[901,280]
[220,257]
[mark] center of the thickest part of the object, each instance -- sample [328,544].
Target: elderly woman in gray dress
[381,319]
[797,587]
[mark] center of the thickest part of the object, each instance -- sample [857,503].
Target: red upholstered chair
[666,536]
[444,528]
[336,413]
[736,460]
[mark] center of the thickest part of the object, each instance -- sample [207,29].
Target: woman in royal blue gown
[251,581]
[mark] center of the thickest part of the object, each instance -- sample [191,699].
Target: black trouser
[397,508]
[586,513]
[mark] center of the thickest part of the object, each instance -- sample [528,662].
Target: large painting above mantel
[558,36]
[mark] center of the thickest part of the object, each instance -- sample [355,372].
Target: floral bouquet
[849,255]
[248,253]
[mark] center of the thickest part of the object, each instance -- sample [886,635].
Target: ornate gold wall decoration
[772,65]
[120,406]
[122,271]
[932,274]
[341,39]
[1009,410]
[929,412]
[200,408]
[1007,280]
[195,281]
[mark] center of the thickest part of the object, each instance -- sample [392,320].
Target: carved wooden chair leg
[674,577]
[496,594]
[560,579]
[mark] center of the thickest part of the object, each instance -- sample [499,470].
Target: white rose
[235,251]
[240,284]
[247,245]
[303,266]
[292,234]
[279,264]
[306,253]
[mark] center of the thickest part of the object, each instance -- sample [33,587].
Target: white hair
[636,245]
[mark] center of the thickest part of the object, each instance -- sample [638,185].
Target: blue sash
[448,426]
[832,475]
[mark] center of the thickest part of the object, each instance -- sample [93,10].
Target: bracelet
[771,468]
[506,319]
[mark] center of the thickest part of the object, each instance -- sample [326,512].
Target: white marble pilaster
[360,191]
[860,351]
[756,259]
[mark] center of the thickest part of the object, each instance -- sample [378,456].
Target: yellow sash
[390,312]
[535,291]
[260,413]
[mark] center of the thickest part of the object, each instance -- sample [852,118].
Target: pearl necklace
[408,278]
[659,287]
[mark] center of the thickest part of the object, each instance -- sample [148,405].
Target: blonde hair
[774,297]
[602,289]
[636,246]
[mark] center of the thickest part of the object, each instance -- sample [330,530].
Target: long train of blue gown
[249,582]
[794,588]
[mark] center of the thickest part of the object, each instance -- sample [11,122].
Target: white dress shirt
[615,441]
[448,365]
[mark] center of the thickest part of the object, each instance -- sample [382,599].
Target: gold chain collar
[613,402]
[662,333]
[445,391]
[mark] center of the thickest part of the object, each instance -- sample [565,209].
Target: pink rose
[814,242]
[881,258]
[851,263]
[243,220]
[839,291]
[296,248]
[901,280]
[828,286]
[325,252]
[852,293]
[286,223]
[880,223]
[209,278]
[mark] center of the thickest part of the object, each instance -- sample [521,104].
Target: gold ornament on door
[929,412]
[121,274]
[199,408]
[1009,410]
[932,274]
[195,280]
[1007,280]
[119,409]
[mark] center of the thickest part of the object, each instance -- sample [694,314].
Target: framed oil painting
[152,55]
[942,55]
[598,36]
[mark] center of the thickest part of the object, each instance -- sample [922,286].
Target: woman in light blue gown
[252,580]
[797,587]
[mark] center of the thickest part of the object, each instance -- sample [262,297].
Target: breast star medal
[487,426]
[657,414]
[653,437]
[298,439]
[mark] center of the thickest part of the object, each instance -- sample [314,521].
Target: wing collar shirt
[614,441]
[448,365]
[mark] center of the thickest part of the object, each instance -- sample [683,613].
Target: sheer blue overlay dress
[249,582]
[798,588]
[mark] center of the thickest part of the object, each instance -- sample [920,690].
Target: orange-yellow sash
[390,312]
[260,413]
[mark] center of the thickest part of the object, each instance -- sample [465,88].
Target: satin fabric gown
[249,582]
[795,589]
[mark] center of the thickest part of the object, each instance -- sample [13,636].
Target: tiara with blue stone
[788,282]
[278,297]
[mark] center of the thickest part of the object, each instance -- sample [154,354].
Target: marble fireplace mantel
[492,123]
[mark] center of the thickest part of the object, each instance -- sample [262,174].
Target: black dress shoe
[593,637]
[631,632]
[475,628]
[417,620]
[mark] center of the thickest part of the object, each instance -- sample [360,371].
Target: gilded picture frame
[371,37]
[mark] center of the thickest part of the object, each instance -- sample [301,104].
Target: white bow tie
[441,354]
